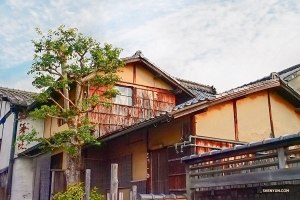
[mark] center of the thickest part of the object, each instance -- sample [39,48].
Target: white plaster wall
[6,132]
[24,126]
[22,180]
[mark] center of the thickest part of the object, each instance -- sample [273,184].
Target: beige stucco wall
[51,126]
[217,122]
[285,119]
[165,134]
[253,117]
[139,161]
[138,150]
[144,77]
[126,73]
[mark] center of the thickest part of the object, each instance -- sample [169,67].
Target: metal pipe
[208,138]
[189,142]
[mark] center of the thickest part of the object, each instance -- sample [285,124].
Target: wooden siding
[147,102]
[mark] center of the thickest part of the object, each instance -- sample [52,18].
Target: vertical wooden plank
[134,192]
[87,183]
[52,184]
[114,182]
[236,129]
[271,117]
[187,181]
[121,196]
[281,158]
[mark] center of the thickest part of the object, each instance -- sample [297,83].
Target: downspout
[12,153]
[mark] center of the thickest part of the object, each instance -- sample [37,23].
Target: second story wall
[254,117]
[143,95]
[285,118]
[136,74]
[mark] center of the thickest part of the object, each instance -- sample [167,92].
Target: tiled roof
[245,146]
[283,74]
[196,87]
[16,97]
[273,77]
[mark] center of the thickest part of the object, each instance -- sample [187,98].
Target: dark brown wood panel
[60,183]
[159,172]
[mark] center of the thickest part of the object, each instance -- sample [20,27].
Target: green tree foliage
[76,192]
[66,63]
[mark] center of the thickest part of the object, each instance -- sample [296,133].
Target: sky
[221,43]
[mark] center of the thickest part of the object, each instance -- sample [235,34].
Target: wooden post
[120,195]
[281,158]
[134,192]
[52,184]
[114,182]
[187,182]
[87,184]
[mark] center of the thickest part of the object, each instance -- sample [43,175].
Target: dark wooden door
[159,171]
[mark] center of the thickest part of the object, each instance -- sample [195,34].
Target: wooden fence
[273,161]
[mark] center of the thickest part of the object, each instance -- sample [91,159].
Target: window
[125,96]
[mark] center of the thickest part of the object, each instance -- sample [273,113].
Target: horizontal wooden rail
[289,152]
[254,166]
[220,163]
[293,160]
[247,178]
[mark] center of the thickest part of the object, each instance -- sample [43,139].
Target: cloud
[221,43]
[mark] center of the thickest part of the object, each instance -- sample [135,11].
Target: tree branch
[65,97]
[56,117]
[56,103]
[89,77]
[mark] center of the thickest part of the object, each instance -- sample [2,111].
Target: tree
[67,61]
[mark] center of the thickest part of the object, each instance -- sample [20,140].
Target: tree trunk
[73,168]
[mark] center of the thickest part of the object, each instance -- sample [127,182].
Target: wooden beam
[271,155]
[281,158]
[52,184]
[134,192]
[236,128]
[87,184]
[247,178]
[270,115]
[187,179]
[227,170]
[114,182]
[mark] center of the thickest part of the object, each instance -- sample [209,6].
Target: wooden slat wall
[146,103]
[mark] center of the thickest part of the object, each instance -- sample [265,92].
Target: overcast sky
[220,43]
